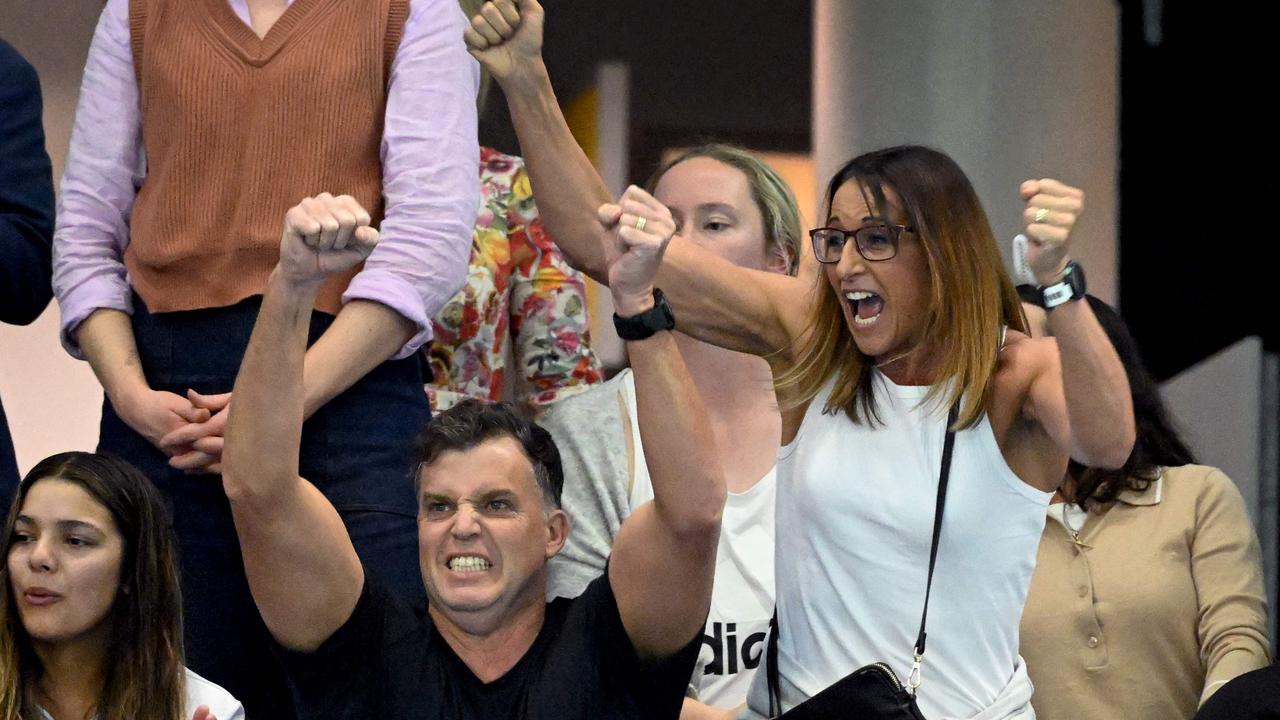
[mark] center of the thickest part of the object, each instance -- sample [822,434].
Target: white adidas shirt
[737,629]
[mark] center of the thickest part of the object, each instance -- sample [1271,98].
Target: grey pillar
[1012,89]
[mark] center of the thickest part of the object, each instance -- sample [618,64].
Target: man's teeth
[469,563]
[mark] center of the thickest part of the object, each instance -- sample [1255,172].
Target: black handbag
[872,691]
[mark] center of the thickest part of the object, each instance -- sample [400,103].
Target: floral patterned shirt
[519,288]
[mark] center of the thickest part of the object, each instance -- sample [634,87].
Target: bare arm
[363,336]
[751,311]
[106,338]
[507,40]
[714,300]
[663,559]
[1080,396]
[302,569]
[694,710]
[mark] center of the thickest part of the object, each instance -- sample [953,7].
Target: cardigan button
[1083,590]
[1093,641]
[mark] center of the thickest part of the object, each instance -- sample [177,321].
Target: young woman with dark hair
[1148,582]
[91,620]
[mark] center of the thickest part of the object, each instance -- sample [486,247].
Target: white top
[855,514]
[200,692]
[742,596]
[1069,515]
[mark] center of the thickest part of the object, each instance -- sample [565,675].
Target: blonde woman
[734,205]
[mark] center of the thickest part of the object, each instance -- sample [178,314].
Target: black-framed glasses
[875,241]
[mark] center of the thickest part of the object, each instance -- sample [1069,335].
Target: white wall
[53,402]
[1218,404]
[1011,89]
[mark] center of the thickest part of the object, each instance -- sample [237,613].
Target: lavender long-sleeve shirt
[429,155]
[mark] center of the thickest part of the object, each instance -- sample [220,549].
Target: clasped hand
[322,235]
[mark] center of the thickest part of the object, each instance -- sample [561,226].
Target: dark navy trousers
[357,450]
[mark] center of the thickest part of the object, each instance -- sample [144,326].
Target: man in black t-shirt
[488,646]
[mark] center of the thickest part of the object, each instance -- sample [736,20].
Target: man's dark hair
[472,422]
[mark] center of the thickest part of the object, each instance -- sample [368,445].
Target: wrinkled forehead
[495,465]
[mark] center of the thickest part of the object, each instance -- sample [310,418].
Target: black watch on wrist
[1070,286]
[646,324]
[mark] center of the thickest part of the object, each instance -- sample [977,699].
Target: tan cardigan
[1156,604]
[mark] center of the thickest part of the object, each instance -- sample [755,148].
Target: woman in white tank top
[908,319]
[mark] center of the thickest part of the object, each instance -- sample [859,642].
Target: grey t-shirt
[595,449]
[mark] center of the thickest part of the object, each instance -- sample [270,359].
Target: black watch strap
[646,324]
[1071,286]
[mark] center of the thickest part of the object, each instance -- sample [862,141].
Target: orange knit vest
[239,129]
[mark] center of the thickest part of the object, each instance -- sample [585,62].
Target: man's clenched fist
[324,235]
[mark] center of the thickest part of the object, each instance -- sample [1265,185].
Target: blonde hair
[784,235]
[971,298]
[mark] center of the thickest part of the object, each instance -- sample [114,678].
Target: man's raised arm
[302,569]
[664,557]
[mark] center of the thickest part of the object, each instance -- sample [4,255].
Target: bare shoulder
[1022,360]
[1023,353]
[1027,445]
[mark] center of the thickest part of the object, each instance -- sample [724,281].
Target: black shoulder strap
[771,665]
[943,475]
[771,650]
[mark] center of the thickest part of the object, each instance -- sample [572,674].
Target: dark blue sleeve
[26,194]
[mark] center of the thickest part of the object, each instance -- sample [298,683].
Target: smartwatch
[646,324]
[1070,286]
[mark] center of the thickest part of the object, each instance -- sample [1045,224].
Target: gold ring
[640,223]
[1041,214]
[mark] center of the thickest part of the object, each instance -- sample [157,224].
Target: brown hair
[145,674]
[971,298]
[784,235]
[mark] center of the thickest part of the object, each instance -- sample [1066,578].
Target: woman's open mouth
[866,307]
